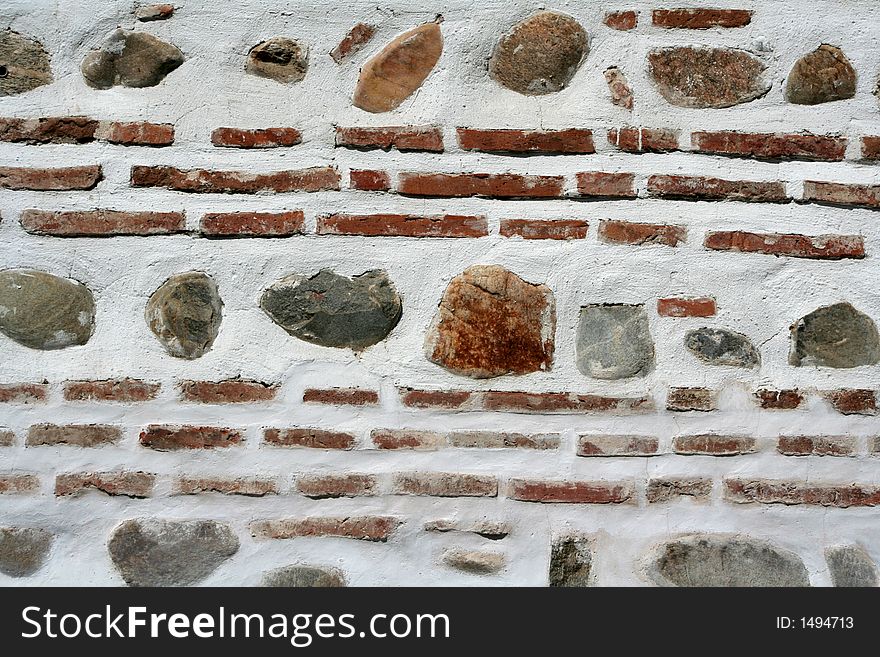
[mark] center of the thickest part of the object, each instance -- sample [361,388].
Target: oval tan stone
[391,76]
[821,76]
[25,61]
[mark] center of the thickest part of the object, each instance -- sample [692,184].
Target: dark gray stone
[851,566]
[571,562]
[153,552]
[614,341]
[835,336]
[821,76]
[303,576]
[42,311]
[130,59]
[185,314]
[706,560]
[722,347]
[24,64]
[334,311]
[280,59]
[23,550]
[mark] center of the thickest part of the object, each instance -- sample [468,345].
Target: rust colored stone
[545,229]
[357,38]
[572,140]
[203,181]
[102,223]
[252,224]
[60,179]
[825,247]
[599,184]
[77,435]
[341,396]
[321,487]
[643,140]
[366,528]
[626,232]
[771,146]
[686,307]
[403,138]
[111,390]
[691,399]
[779,399]
[126,484]
[402,225]
[258,138]
[703,188]
[490,185]
[308,437]
[171,438]
[570,492]
[701,19]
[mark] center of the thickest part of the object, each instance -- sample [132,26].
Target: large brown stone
[130,59]
[491,322]
[392,75]
[280,59]
[185,314]
[540,55]
[24,64]
[707,77]
[820,77]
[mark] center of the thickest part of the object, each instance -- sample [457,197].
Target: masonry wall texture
[394,293]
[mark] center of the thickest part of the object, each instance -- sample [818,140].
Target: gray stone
[614,341]
[42,311]
[475,562]
[280,59]
[153,552]
[185,314]
[334,311]
[571,562]
[23,550]
[835,336]
[130,59]
[722,347]
[24,64]
[707,560]
[851,566]
[821,76]
[303,576]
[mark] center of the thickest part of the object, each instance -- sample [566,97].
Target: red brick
[746,491]
[341,396]
[50,130]
[448,399]
[500,440]
[13,483]
[712,445]
[102,223]
[356,38]
[570,492]
[137,134]
[7,438]
[599,184]
[230,391]
[126,484]
[853,402]
[248,487]
[644,140]
[59,179]
[203,181]
[770,146]
[627,232]
[857,196]
[320,487]
[545,229]
[701,19]
[256,138]
[686,307]
[605,445]
[816,445]
[691,399]
[252,224]
[871,148]
[402,225]
[166,438]
[779,399]
[561,402]
[368,180]
[365,528]
[702,188]
[77,435]
[572,140]
[621,20]
[663,490]
[308,437]
[445,484]
[818,247]
[490,185]
[23,393]
[111,390]
[403,138]
[407,439]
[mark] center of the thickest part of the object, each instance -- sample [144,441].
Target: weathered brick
[621,20]
[369,180]
[561,402]
[643,140]
[448,399]
[255,138]
[246,486]
[352,42]
[203,181]
[102,223]
[817,247]
[490,185]
[23,393]
[763,491]
[163,437]
[599,184]
[770,146]
[627,232]
[330,486]
[545,229]
[341,396]
[402,138]
[665,489]
[570,492]
[703,188]
[871,148]
[779,399]
[365,528]
[230,391]
[402,225]
[137,133]
[488,529]
[154,12]
[61,179]
[829,193]
[686,307]
[572,140]
[500,440]
[701,19]
[308,437]
[713,445]
[609,445]
[444,484]
[853,402]
[407,439]
[691,399]
[252,224]
[126,484]
[49,130]
[816,445]
[77,435]
[111,390]
[15,483]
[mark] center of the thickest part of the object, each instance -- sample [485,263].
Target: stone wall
[431,295]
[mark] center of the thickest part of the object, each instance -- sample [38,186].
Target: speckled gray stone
[23,550]
[303,576]
[835,336]
[25,64]
[614,342]
[571,562]
[718,346]
[851,566]
[130,59]
[185,314]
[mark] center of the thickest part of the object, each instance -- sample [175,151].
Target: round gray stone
[614,341]
[185,314]
[722,347]
[24,64]
[23,550]
[851,566]
[280,59]
[303,576]
[130,59]
[835,336]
